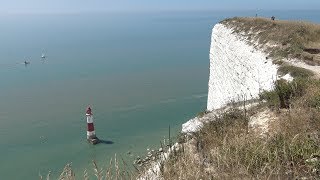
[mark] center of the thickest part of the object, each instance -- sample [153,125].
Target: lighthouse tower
[91,134]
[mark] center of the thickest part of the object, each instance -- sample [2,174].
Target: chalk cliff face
[237,70]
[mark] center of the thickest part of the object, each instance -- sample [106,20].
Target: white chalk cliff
[238,71]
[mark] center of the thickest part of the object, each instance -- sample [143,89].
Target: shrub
[224,150]
[295,72]
[283,93]
[272,99]
[314,101]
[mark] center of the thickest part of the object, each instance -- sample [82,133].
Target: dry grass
[281,39]
[116,170]
[225,149]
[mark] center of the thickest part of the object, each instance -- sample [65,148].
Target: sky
[78,6]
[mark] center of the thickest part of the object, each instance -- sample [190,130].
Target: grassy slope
[282,39]
[226,149]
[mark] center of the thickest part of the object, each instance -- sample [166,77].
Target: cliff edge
[238,71]
[263,112]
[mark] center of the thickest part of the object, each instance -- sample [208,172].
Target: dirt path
[259,123]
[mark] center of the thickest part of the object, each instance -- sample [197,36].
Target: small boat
[26,62]
[43,56]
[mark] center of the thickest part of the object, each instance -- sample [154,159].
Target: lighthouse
[91,134]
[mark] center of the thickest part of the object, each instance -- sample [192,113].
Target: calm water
[140,72]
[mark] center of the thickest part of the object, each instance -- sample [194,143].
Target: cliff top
[276,137]
[280,38]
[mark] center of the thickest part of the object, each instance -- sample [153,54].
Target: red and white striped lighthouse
[91,134]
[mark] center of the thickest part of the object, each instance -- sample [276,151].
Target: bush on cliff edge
[224,149]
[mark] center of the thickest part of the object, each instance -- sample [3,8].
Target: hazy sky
[75,6]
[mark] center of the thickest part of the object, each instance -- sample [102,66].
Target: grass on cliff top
[224,149]
[279,38]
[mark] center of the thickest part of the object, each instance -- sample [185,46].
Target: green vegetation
[281,39]
[294,71]
[225,149]
[284,93]
[228,148]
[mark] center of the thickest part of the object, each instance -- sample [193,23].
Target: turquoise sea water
[140,72]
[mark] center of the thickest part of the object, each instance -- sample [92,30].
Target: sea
[141,73]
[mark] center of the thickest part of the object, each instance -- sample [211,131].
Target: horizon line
[145,11]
